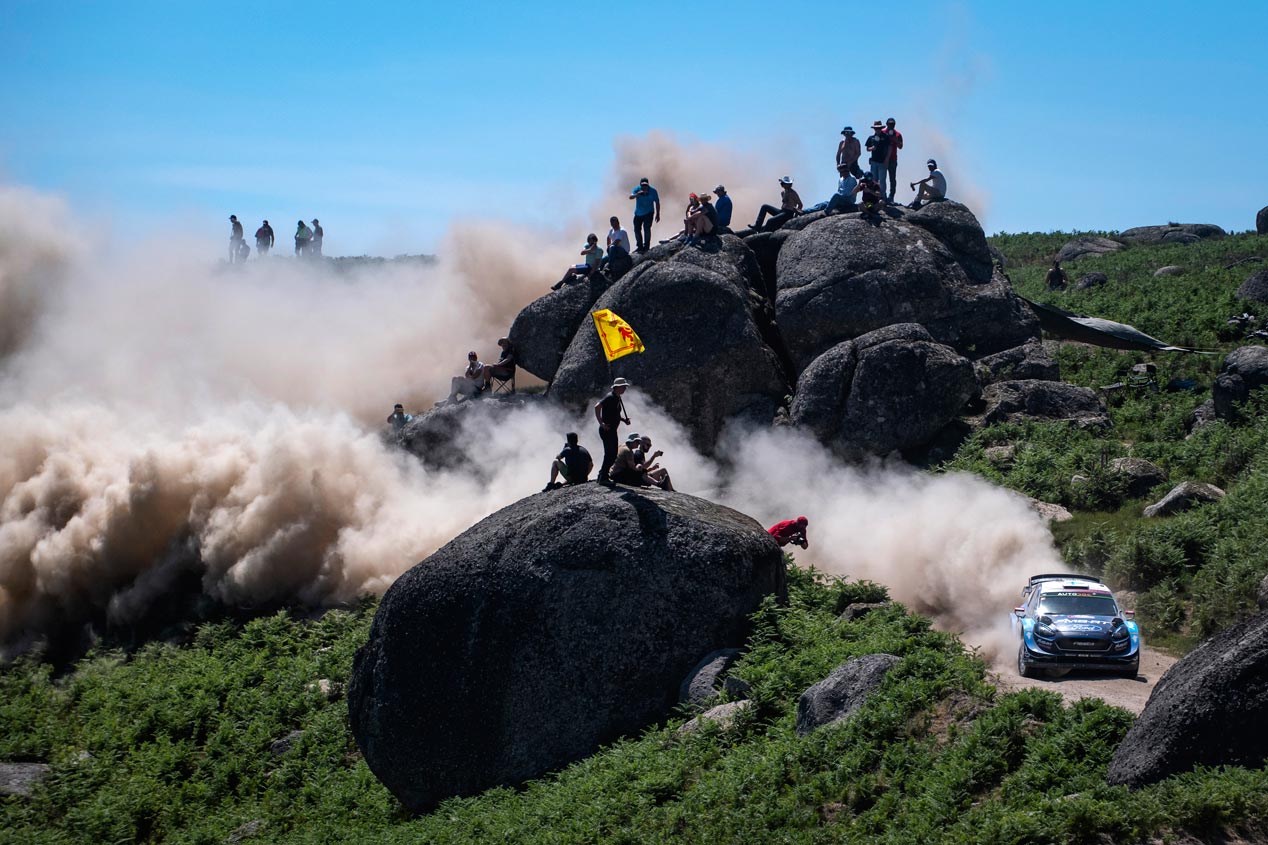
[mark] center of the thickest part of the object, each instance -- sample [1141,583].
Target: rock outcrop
[1141,475]
[1091,280]
[1088,247]
[1029,361]
[957,228]
[1245,369]
[1184,496]
[1255,288]
[21,778]
[840,695]
[1173,233]
[891,389]
[1032,399]
[1261,221]
[543,330]
[550,628]
[844,276]
[1209,709]
[706,361]
[705,681]
[441,437]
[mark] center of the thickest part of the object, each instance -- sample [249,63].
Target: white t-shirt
[938,183]
[619,236]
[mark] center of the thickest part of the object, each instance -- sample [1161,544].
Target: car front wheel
[1023,665]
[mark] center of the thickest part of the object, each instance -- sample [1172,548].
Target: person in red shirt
[895,144]
[790,531]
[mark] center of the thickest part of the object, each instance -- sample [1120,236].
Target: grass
[172,744]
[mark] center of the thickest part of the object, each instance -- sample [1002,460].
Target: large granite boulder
[557,624]
[844,276]
[1028,361]
[1209,709]
[1044,401]
[1261,221]
[1245,369]
[542,331]
[1089,246]
[1184,496]
[1091,280]
[953,224]
[840,695]
[1255,288]
[442,437]
[1173,233]
[891,389]
[706,361]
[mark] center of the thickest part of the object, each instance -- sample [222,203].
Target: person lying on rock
[628,468]
[593,254]
[505,367]
[843,200]
[467,384]
[790,531]
[657,475]
[399,419]
[573,464]
[933,188]
[703,221]
[789,207]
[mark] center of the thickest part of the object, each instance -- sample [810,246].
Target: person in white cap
[610,412]
[789,206]
[932,188]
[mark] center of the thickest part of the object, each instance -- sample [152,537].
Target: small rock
[1255,288]
[1088,247]
[859,609]
[281,746]
[1000,455]
[1202,415]
[701,685]
[1169,270]
[1142,475]
[724,716]
[1261,221]
[1079,480]
[245,831]
[330,690]
[21,778]
[1183,497]
[1090,280]
[841,694]
[1049,511]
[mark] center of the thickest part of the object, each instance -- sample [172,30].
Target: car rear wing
[1053,576]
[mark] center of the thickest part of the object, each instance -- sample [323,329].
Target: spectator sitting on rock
[790,531]
[842,200]
[848,152]
[467,384]
[629,467]
[1056,278]
[593,253]
[657,475]
[399,419]
[873,196]
[618,236]
[505,367]
[693,203]
[703,221]
[610,412]
[933,188]
[723,206]
[573,463]
[789,206]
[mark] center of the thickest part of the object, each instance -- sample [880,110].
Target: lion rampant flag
[616,335]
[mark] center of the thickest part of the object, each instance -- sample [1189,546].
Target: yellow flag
[616,335]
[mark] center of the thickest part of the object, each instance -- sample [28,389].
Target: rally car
[1073,622]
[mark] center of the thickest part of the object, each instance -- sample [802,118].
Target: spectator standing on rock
[399,419]
[1056,278]
[263,239]
[848,153]
[235,239]
[467,384]
[573,463]
[610,412]
[593,256]
[303,235]
[790,531]
[723,206]
[505,367]
[878,144]
[789,206]
[895,144]
[646,205]
[933,188]
[314,248]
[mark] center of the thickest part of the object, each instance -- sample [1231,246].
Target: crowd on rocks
[308,241]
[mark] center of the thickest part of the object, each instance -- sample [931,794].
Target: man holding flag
[610,413]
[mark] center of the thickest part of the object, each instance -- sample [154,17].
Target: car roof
[1065,585]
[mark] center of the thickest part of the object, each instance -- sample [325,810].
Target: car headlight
[1043,632]
[1120,633]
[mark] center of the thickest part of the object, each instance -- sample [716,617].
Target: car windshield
[1072,604]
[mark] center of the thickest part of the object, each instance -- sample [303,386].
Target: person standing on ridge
[314,248]
[790,531]
[848,152]
[1056,278]
[302,236]
[610,412]
[878,144]
[235,239]
[723,206]
[895,144]
[646,205]
[263,239]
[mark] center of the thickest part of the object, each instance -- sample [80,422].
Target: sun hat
[848,130]
[785,180]
[878,125]
[620,382]
[719,189]
[705,197]
[633,435]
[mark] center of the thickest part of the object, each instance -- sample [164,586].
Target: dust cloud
[162,416]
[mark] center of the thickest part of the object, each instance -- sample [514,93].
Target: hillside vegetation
[179,742]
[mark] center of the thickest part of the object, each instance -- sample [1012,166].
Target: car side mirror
[1019,612]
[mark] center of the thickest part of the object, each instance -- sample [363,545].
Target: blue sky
[388,120]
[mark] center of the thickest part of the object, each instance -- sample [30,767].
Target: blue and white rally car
[1073,622]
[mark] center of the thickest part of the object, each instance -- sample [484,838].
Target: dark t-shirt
[710,212]
[879,145]
[610,410]
[237,230]
[507,361]
[578,461]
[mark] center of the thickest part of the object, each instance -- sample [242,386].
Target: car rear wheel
[1023,665]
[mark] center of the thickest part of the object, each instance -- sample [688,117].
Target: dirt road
[1121,692]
